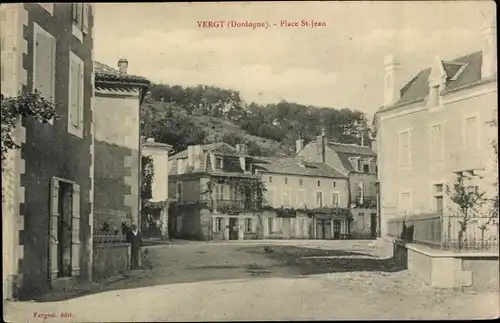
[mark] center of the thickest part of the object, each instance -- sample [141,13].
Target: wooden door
[233,229]
[373,225]
[336,229]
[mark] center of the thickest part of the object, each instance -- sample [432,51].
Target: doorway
[336,229]
[233,229]
[65,229]
[323,229]
[373,225]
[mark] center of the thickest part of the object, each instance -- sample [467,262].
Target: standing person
[134,238]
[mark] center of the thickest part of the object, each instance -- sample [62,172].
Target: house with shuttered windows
[47,183]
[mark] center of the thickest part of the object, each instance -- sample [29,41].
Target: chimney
[190,156]
[238,148]
[489,48]
[150,140]
[392,91]
[322,144]
[123,65]
[301,160]
[299,144]
[197,151]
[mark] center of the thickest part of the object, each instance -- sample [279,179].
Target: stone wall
[110,259]
[360,227]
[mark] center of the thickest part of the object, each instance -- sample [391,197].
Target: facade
[155,214]
[318,193]
[117,146]
[435,128]
[213,189]
[47,183]
[359,165]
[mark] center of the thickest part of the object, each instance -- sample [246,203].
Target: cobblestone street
[277,280]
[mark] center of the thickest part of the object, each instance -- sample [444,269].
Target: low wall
[477,271]
[110,259]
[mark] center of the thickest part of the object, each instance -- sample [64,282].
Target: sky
[339,65]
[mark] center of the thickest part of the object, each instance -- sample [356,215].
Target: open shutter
[54,230]
[75,236]
[254,224]
[45,65]
[80,95]
[214,224]
[75,93]
[85,23]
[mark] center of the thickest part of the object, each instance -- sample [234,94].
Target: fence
[109,239]
[444,231]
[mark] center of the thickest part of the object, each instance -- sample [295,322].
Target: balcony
[467,161]
[233,206]
[367,202]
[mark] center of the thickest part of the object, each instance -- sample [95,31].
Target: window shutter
[75,12]
[254,224]
[74,93]
[80,95]
[45,65]
[54,230]
[85,23]
[75,245]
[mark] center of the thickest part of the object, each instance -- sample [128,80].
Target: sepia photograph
[249,161]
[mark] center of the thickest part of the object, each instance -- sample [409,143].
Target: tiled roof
[351,149]
[105,73]
[218,147]
[418,87]
[292,166]
[156,144]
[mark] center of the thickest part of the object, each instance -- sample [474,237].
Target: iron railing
[446,231]
[367,202]
[109,239]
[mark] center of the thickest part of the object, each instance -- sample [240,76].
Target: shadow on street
[165,266]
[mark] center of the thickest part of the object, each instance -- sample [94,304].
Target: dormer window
[366,168]
[218,162]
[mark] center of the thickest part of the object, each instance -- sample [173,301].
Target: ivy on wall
[251,191]
[147,178]
[31,104]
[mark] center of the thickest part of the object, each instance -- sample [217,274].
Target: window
[270,196]
[75,118]
[301,182]
[471,134]
[181,165]
[301,198]
[405,204]
[248,225]
[219,192]
[218,162]
[270,179]
[404,148]
[286,197]
[44,63]
[436,144]
[319,199]
[360,219]
[366,168]
[81,12]
[218,224]
[270,227]
[319,183]
[438,198]
[286,180]
[334,184]
[335,199]
[358,164]
[178,194]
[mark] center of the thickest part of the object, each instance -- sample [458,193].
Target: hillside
[205,114]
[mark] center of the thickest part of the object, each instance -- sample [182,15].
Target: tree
[469,199]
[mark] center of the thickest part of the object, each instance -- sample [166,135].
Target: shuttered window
[75,125]
[81,13]
[44,63]
[75,236]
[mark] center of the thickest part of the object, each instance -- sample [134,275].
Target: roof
[351,149]
[292,166]
[156,145]
[220,148]
[107,74]
[461,71]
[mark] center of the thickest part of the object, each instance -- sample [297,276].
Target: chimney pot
[123,65]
